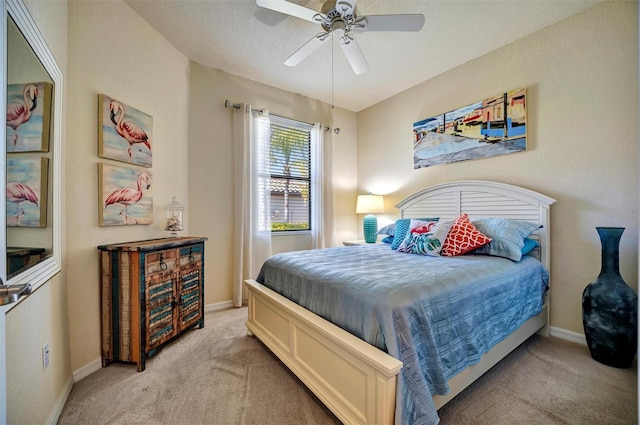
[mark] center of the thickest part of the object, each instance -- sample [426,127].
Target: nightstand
[358,242]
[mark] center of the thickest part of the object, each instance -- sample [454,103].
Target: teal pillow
[388,239]
[507,236]
[529,245]
[402,228]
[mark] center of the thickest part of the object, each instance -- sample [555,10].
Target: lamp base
[370,227]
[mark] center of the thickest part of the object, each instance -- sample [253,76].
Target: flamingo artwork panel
[28,117]
[125,133]
[27,189]
[125,195]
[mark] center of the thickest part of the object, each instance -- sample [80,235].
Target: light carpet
[218,375]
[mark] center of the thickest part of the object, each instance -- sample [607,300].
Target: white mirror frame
[45,269]
[3,219]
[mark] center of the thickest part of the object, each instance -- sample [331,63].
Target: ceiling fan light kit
[339,18]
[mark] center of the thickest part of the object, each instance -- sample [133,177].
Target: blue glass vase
[609,308]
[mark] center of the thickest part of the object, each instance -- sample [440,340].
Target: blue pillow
[389,229]
[507,236]
[402,228]
[529,245]
[388,239]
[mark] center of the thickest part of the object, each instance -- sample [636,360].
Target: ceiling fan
[338,17]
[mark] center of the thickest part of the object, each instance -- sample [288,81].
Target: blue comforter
[435,314]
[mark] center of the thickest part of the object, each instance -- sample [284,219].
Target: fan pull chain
[332,69]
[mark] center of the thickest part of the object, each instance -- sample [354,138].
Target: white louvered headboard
[484,199]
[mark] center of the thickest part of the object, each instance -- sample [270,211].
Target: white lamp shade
[369,204]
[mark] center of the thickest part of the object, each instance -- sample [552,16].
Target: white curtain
[322,184]
[252,219]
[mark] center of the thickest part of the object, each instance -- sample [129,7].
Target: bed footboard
[355,380]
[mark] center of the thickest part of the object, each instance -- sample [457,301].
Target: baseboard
[87,369]
[218,306]
[59,405]
[96,364]
[567,335]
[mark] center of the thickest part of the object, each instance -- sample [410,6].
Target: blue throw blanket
[437,315]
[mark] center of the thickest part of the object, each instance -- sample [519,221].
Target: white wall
[211,165]
[581,77]
[114,52]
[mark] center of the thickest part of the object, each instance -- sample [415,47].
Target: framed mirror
[33,138]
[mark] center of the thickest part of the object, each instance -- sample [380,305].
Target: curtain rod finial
[228,104]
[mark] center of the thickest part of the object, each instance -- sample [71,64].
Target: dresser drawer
[190,254]
[160,261]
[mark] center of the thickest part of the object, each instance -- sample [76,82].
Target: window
[290,163]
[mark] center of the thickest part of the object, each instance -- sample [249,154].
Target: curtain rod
[237,106]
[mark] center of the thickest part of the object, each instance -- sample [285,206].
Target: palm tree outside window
[290,185]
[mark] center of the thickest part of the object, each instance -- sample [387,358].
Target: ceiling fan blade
[354,54]
[308,48]
[289,8]
[413,22]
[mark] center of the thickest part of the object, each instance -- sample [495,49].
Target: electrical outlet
[45,356]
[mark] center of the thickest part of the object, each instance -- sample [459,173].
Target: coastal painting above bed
[490,127]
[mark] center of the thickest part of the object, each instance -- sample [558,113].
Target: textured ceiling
[241,38]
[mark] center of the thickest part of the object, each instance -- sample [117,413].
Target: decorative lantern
[174,217]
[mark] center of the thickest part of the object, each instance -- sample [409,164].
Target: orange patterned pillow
[463,237]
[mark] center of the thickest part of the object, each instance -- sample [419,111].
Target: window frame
[288,123]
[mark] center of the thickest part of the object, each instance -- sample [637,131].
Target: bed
[357,380]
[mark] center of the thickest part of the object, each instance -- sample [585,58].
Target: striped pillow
[508,236]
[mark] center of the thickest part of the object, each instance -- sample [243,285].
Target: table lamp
[370,204]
